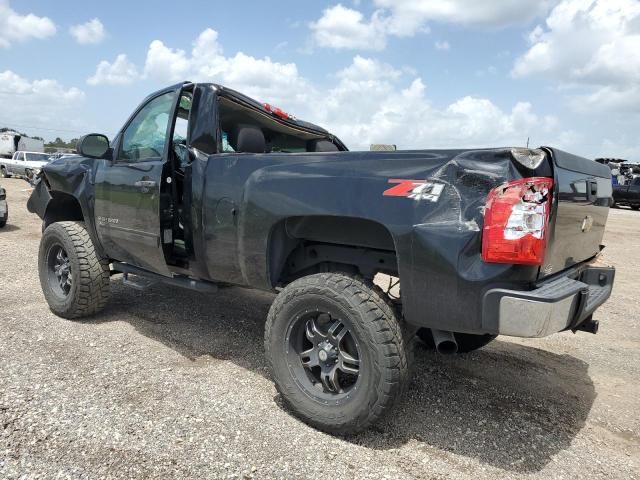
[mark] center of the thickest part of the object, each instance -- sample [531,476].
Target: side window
[181,128]
[146,135]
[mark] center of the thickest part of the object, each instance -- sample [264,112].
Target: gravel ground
[172,384]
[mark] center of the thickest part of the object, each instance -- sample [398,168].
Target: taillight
[516,218]
[278,112]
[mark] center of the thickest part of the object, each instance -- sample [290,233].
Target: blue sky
[418,73]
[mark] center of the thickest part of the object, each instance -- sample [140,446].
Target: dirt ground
[172,384]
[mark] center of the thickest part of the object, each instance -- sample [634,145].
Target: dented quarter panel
[437,242]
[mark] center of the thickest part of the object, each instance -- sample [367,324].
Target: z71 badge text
[416,189]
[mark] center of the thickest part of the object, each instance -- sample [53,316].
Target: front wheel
[336,351]
[4,173]
[74,278]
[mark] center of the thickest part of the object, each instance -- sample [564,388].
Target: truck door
[128,200]
[17,164]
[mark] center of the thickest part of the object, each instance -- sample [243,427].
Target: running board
[149,279]
[140,284]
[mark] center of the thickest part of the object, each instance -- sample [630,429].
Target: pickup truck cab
[25,164]
[628,195]
[204,187]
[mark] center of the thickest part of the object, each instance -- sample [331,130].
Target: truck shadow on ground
[9,227]
[509,405]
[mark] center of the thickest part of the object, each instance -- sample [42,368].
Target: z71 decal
[416,189]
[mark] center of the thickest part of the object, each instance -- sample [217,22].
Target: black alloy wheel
[59,270]
[328,353]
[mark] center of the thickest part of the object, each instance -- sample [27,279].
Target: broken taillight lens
[516,218]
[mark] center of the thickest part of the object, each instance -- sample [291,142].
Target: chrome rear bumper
[562,303]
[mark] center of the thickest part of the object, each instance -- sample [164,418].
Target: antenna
[527,142]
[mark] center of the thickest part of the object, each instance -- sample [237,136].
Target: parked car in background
[12,142]
[4,208]
[627,195]
[26,164]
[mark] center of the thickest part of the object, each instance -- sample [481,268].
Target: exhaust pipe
[445,342]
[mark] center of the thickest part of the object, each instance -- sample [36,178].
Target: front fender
[39,199]
[70,177]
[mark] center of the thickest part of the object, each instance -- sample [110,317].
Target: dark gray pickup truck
[204,187]
[628,195]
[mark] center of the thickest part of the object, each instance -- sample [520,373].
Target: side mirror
[94,145]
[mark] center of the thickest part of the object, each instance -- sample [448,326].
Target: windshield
[37,157]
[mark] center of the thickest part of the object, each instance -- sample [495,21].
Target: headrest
[321,146]
[247,139]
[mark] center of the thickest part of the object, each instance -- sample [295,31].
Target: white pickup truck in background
[25,164]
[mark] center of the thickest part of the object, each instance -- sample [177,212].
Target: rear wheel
[635,207]
[466,342]
[74,278]
[336,351]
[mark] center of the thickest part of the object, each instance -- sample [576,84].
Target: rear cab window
[279,137]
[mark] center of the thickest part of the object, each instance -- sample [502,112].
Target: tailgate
[582,193]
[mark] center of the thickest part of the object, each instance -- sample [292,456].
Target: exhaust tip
[445,342]
[447,347]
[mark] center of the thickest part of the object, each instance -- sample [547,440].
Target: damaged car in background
[204,187]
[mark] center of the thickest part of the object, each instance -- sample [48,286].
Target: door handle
[592,190]
[146,183]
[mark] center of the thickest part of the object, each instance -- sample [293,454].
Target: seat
[247,139]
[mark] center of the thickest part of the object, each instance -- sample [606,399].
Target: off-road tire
[90,291]
[375,325]
[466,341]
[4,173]
[3,220]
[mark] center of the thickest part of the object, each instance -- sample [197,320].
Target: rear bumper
[561,303]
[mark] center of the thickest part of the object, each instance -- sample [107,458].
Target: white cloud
[15,27]
[91,32]
[408,16]
[120,72]
[442,45]
[367,102]
[374,103]
[38,103]
[592,43]
[259,77]
[341,27]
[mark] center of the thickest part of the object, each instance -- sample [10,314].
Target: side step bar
[153,278]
